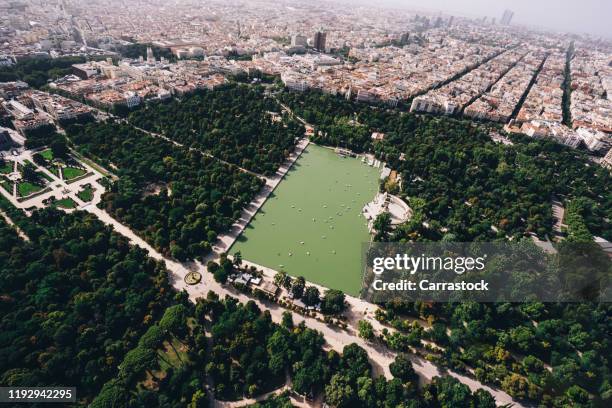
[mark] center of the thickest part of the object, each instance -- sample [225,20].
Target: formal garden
[59,162]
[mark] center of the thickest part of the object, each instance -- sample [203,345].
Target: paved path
[10,222]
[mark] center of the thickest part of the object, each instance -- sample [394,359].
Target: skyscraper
[507,17]
[150,55]
[319,41]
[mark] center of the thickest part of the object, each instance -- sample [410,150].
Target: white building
[294,83]
[132,99]
[594,140]
[365,96]
[196,52]
[424,104]
[5,61]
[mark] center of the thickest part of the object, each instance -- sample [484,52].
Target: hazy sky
[592,16]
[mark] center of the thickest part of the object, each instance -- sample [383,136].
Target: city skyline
[589,16]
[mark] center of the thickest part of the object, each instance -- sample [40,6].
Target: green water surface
[311,225]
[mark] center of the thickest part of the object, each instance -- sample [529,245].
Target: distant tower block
[320,39]
[507,17]
[150,56]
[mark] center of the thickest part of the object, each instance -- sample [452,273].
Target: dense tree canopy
[462,186]
[177,199]
[471,187]
[533,351]
[73,301]
[37,71]
[234,123]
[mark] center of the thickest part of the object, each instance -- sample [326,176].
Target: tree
[198,399]
[37,158]
[30,174]
[297,288]
[483,399]
[59,148]
[287,320]
[227,265]
[452,393]
[221,275]
[136,361]
[238,258]
[382,226]
[515,385]
[112,395]
[577,395]
[354,362]
[212,266]
[280,351]
[280,279]
[402,369]
[366,392]
[153,338]
[312,296]
[366,331]
[339,392]
[173,320]
[333,302]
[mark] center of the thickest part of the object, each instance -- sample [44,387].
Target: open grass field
[67,203]
[70,173]
[25,188]
[47,154]
[312,224]
[6,167]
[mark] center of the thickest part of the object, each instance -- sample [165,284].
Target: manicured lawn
[25,188]
[86,194]
[47,154]
[7,167]
[66,203]
[72,173]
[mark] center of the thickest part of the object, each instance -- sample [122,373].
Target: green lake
[311,225]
